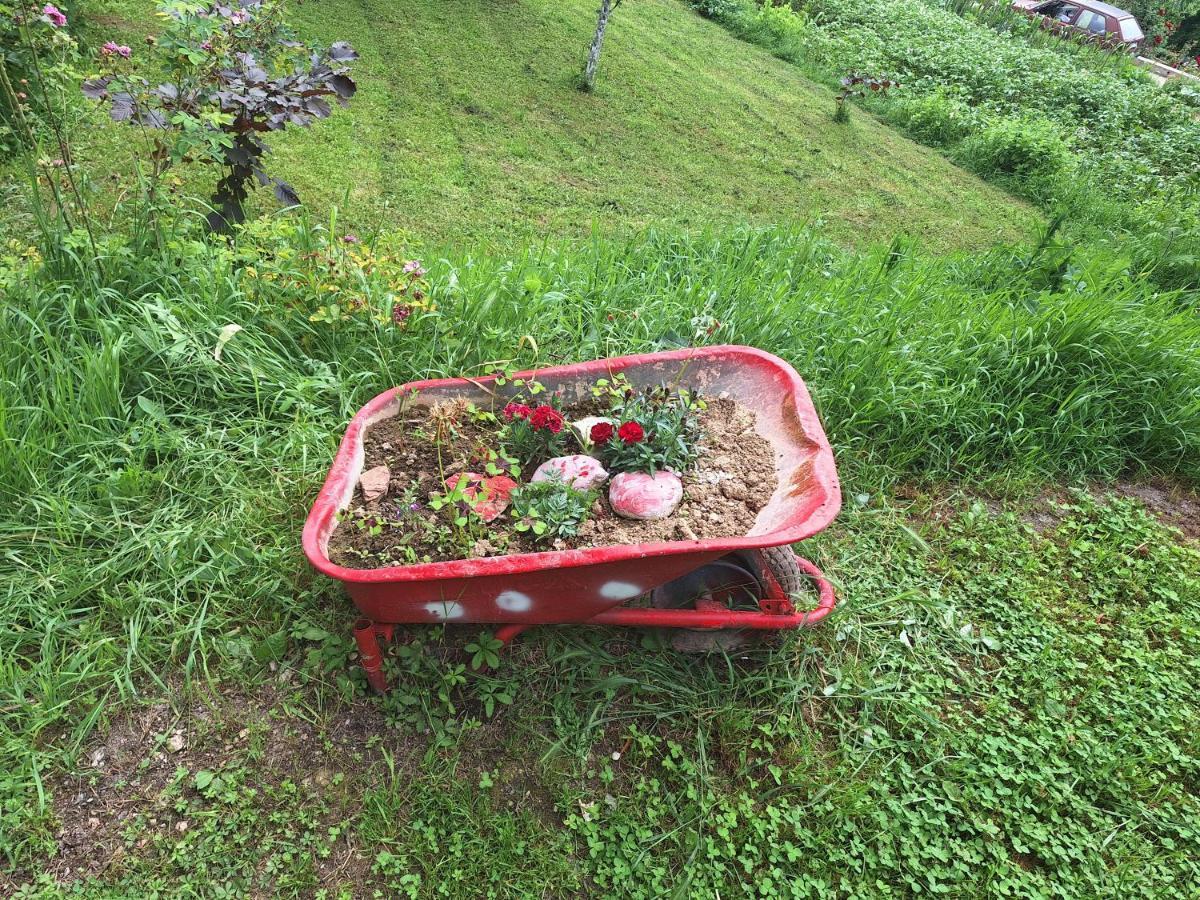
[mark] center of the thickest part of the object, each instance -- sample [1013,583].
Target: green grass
[468,128]
[995,711]
[1066,126]
[156,493]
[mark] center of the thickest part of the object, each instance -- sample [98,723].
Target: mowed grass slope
[468,127]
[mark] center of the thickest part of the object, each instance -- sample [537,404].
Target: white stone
[581,472]
[636,495]
[583,427]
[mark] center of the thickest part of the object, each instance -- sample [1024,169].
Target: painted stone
[636,495]
[489,496]
[374,482]
[581,472]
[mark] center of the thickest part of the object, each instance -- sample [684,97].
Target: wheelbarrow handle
[826,599]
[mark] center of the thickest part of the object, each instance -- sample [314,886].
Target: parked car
[1091,16]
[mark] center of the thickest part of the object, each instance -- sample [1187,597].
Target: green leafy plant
[533,433]
[235,72]
[550,509]
[485,651]
[459,504]
[493,693]
[658,428]
[38,57]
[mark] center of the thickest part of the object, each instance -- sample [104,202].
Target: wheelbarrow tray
[581,585]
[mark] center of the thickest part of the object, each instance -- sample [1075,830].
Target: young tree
[593,59]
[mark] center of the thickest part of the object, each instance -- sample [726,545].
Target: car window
[1065,13]
[1130,30]
[1091,21]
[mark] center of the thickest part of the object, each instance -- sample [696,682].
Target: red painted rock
[581,472]
[636,495]
[374,482]
[489,496]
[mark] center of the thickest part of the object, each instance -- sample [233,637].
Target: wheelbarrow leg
[367,635]
[505,633]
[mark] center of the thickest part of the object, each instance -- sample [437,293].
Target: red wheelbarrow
[743,584]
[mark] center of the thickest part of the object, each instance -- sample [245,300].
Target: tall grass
[153,494]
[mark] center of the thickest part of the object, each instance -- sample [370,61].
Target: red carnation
[546,417]
[602,432]
[516,411]
[631,433]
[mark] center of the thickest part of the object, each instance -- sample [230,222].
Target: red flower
[546,417]
[516,411]
[631,433]
[1157,39]
[602,432]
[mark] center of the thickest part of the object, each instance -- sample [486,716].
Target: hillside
[468,127]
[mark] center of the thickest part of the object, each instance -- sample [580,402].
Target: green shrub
[1026,147]
[936,119]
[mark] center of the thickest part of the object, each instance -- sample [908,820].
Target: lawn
[1002,699]
[1003,704]
[469,129]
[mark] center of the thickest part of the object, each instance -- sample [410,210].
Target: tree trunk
[593,60]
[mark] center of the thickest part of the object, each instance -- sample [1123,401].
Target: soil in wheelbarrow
[733,479]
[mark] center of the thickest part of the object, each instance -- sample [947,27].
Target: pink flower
[400,313]
[54,16]
[206,46]
[413,267]
[111,48]
[239,17]
[350,238]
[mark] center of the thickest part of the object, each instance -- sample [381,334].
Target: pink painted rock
[489,495]
[374,482]
[636,495]
[581,472]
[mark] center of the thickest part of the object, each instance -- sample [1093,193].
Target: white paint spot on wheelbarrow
[619,590]
[446,609]
[514,601]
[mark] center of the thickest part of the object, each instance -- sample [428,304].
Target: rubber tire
[693,642]
[782,563]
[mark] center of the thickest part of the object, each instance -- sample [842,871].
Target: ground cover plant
[928,366]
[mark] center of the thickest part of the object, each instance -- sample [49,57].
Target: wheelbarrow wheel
[730,583]
[783,565]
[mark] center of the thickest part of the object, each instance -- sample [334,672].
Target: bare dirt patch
[1172,502]
[112,806]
